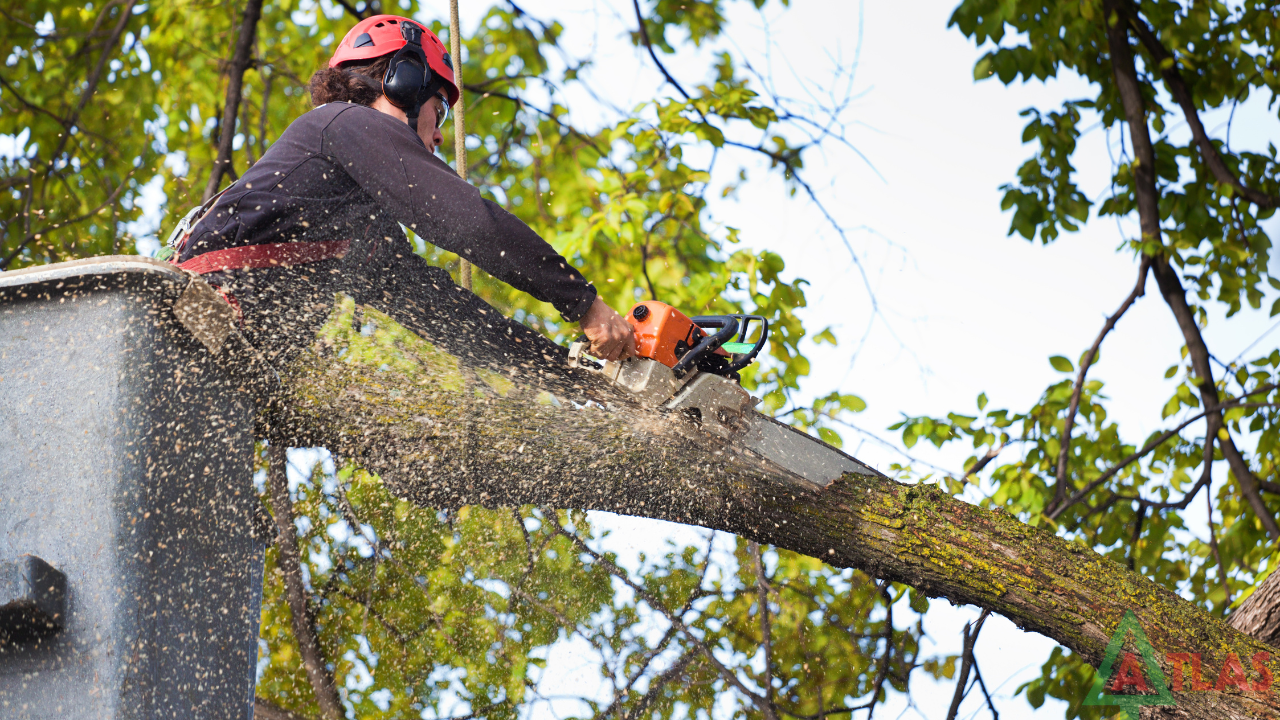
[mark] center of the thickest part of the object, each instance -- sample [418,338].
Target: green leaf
[1061,364]
[830,437]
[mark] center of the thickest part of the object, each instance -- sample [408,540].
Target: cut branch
[404,415]
[241,60]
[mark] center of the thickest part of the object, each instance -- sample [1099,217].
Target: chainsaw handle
[746,320]
[709,344]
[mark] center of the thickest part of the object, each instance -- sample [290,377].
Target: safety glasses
[441,108]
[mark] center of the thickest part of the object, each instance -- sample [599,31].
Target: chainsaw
[683,369]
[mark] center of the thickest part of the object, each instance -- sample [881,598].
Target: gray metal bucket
[126,469]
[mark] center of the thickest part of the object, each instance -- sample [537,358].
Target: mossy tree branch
[445,433]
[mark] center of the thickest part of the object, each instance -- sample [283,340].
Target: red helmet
[380,35]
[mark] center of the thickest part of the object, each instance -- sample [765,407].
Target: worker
[322,211]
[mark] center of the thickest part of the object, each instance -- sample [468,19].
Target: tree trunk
[448,429]
[1259,614]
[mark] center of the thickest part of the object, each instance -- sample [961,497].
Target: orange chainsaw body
[663,333]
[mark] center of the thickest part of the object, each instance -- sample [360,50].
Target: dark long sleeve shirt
[344,172]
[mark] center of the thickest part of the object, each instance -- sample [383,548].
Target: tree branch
[13,254]
[91,84]
[765,708]
[290,564]
[644,35]
[1177,85]
[966,663]
[241,59]
[1213,542]
[1171,289]
[406,424]
[657,684]
[1060,487]
[766,628]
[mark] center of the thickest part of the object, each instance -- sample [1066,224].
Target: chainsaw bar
[795,451]
[718,406]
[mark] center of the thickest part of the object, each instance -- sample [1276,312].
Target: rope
[459,130]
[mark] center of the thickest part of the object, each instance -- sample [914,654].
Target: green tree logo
[1130,676]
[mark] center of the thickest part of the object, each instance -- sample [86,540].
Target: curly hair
[354,83]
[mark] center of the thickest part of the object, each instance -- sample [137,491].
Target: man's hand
[611,336]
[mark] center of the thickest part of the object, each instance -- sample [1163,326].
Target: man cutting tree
[322,210]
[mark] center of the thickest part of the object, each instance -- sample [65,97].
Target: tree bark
[447,429]
[241,59]
[1259,614]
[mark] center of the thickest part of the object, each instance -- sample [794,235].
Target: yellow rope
[459,131]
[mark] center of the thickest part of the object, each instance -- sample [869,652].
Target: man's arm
[420,191]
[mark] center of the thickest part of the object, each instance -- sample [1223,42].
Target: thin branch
[966,663]
[882,673]
[766,629]
[657,684]
[31,236]
[352,10]
[982,462]
[91,85]
[991,705]
[654,603]
[264,709]
[1060,487]
[1137,530]
[241,60]
[644,35]
[1155,443]
[264,115]
[290,564]
[1213,543]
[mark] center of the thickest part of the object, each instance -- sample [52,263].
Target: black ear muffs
[408,78]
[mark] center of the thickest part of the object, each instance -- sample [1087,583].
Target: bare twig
[644,35]
[982,462]
[991,705]
[657,684]
[290,564]
[1060,487]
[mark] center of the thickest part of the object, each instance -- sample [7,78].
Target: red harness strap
[263,256]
